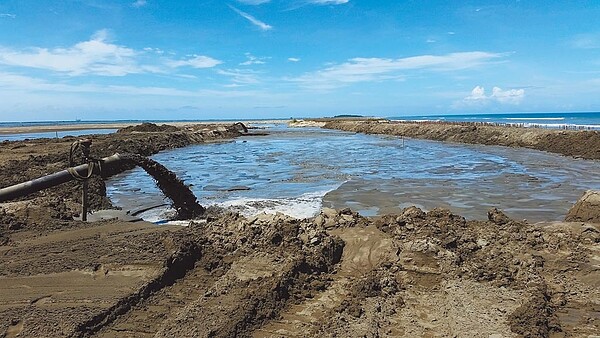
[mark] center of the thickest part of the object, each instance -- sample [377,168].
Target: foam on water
[536,118]
[562,125]
[305,206]
[555,120]
[157,215]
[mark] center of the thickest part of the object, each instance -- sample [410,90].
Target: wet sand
[412,274]
[338,274]
[85,126]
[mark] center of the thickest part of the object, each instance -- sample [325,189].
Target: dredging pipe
[64,176]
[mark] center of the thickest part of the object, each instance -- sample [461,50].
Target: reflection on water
[291,169]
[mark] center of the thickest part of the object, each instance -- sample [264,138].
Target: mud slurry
[414,274]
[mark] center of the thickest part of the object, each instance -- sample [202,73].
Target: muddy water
[182,198]
[296,171]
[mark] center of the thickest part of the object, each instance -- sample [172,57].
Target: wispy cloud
[328,2]
[20,83]
[196,61]
[155,50]
[479,97]
[95,56]
[8,15]
[263,26]
[240,76]
[586,41]
[253,60]
[378,69]
[293,59]
[139,3]
[254,2]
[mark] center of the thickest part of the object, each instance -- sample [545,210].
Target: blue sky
[210,59]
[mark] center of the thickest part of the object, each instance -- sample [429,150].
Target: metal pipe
[45,182]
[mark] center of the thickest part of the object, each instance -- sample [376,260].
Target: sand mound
[587,208]
[149,128]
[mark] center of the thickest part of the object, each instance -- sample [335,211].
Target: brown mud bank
[583,144]
[22,161]
[412,274]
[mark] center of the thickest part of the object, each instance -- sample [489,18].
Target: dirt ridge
[176,267]
[576,143]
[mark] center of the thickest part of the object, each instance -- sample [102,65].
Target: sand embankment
[119,125]
[583,144]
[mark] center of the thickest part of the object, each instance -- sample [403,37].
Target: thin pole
[84,200]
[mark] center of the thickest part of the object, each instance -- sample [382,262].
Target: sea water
[571,120]
[297,171]
[54,134]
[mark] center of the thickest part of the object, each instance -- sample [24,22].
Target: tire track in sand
[365,248]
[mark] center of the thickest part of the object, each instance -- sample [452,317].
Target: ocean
[571,120]
[566,120]
[54,134]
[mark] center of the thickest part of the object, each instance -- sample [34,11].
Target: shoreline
[118,125]
[574,143]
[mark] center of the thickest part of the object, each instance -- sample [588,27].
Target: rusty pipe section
[45,182]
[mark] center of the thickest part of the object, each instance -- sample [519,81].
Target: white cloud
[263,26]
[233,85]
[511,96]
[95,56]
[586,41]
[477,94]
[377,69]
[254,2]
[98,57]
[293,59]
[241,76]
[253,60]
[23,84]
[139,3]
[328,2]
[8,15]
[197,61]
[155,50]
[10,80]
